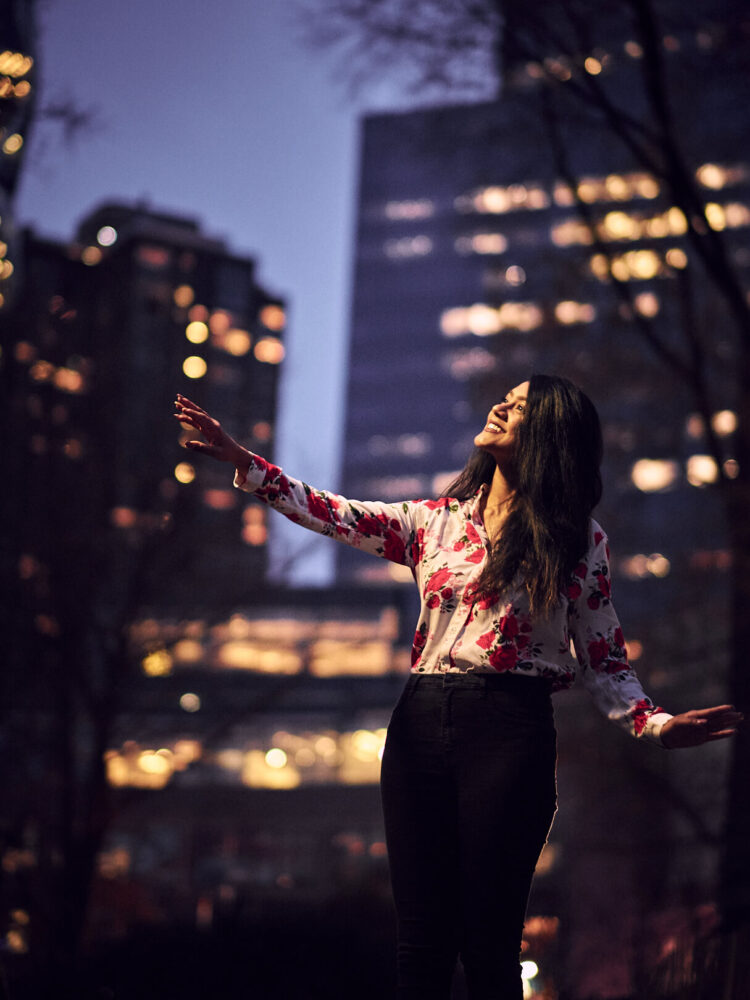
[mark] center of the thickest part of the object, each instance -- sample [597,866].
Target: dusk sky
[220,112]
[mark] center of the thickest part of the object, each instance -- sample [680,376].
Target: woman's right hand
[218,443]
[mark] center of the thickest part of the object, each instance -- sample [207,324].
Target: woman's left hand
[692,729]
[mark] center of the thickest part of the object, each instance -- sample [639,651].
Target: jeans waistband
[519,684]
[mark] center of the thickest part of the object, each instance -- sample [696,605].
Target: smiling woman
[510,567]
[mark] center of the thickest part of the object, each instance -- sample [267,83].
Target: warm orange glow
[198,314]
[273,317]
[220,499]
[592,66]
[69,380]
[652,475]
[676,258]
[219,322]
[22,89]
[269,350]
[91,256]
[194,366]
[24,352]
[157,664]
[569,312]
[13,143]
[184,473]
[42,371]
[183,296]
[196,332]
[237,342]
[123,517]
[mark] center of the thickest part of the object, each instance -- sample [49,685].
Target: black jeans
[468,787]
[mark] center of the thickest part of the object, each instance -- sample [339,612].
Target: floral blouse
[444,544]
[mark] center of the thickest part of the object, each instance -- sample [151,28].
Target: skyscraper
[485,253]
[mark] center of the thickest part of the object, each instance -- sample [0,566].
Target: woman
[510,567]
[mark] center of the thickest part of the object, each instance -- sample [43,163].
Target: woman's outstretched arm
[699,726]
[218,443]
[388,530]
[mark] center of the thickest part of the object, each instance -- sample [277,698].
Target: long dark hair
[558,484]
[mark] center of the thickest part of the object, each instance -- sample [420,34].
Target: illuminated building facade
[226,691]
[17,98]
[473,270]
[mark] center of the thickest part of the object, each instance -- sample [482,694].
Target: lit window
[157,664]
[482,243]
[106,236]
[237,342]
[13,143]
[69,380]
[422,208]
[219,322]
[715,216]
[571,232]
[91,256]
[408,246]
[123,517]
[269,350]
[711,175]
[198,314]
[184,473]
[650,475]
[676,258]
[152,257]
[194,366]
[273,317]
[183,296]
[196,332]
[569,312]
[647,304]
[220,499]
[724,422]
[701,469]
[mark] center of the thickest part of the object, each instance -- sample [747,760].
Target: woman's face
[500,433]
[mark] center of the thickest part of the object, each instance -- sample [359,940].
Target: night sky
[222,113]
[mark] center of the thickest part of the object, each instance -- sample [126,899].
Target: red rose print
[603,583]
[593,602]
[438,579]
[394,547]
[598,653]
[457,546]
[574,591]
[476,556]
[486,640]
[417,546]
[598,535]
[318,508]
[472,534]
[504,658]
[433,600]
[488,600]
[436,504]
[642,710]
[420,638]
[509,626]
[580,571]
[619,638]
[367,525]
[447,593]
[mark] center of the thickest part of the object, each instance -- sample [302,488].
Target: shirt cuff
[245,482]
[652,730]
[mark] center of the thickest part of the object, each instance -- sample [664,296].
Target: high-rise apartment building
[476,266]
